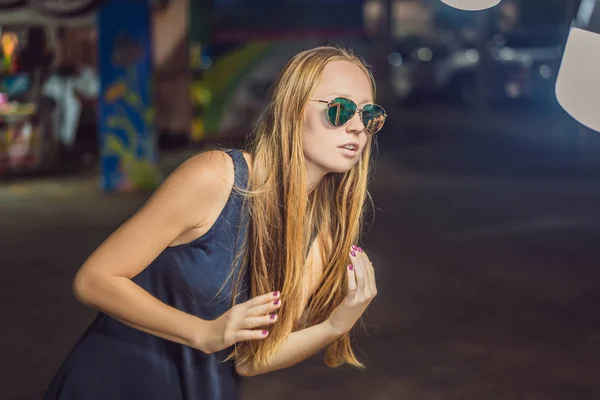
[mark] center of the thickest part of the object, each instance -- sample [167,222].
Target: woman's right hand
[239,323]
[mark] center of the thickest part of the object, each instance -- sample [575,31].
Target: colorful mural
[238,83]
[128,139]
[234,73]
[240,47]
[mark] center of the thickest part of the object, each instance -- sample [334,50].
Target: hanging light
[471,5]
[578,81]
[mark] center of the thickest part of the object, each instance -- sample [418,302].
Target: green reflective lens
[373,117]
[340,111]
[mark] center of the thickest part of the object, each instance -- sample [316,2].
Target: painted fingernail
[354,247]
[353,253]
[359,249]
[276,302]
[264,333]
[272,316]
[351,267]
[275,294]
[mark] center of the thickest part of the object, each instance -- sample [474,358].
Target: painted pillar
[129,156]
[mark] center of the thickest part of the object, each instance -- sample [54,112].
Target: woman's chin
[340,167]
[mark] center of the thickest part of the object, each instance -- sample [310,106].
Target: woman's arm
[297,347]
[185,201]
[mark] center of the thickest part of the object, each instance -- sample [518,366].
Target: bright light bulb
[471,5]
[578,82]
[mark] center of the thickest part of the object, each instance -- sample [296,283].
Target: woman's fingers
[359,270]
[262,299]
[369,289]
[248,334]
[252,322]
[255,313]
[265,308]
[371,275]
[351,280]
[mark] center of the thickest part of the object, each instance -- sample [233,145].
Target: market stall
[39,43]
[23,142]
[26,140]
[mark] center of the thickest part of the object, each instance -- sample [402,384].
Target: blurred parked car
[413,64]
[519,65]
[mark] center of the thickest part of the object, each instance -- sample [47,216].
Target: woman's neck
[314,175]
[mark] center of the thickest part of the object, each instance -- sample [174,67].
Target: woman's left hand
[361,291]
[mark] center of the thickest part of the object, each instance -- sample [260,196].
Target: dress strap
[240,166]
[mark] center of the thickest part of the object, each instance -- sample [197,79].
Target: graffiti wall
[128,138]
[239,81]
[248,44]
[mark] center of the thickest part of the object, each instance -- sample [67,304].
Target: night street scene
[486,187]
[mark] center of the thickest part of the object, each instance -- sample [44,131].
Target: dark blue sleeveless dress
[112,361]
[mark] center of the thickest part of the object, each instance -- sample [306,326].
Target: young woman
[240,263]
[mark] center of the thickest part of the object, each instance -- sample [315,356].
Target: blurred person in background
[36,56]
[86,87]
[74,87]
[241,263]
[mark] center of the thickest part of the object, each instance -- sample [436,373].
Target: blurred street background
[487,192]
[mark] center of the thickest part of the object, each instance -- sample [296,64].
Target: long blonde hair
[282,215]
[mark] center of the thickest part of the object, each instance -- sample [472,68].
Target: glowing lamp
[471,5]
[578,81]
[8,42]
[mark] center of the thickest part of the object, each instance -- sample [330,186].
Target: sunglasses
[341,110]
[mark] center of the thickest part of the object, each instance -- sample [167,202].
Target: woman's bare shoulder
[207,164]
[211,170]
[212,164]
[199,182]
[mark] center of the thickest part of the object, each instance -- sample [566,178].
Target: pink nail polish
[272,316]
[354,247]
[264,333]
[353,253]
[275,294]
[351,267]
[359,249]
[276,302]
